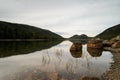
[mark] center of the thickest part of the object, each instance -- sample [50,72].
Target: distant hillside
[110,32]
[82,36]
[21,31]
[79,38]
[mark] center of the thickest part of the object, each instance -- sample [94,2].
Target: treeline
[110,32]
[21,31]
[82,36]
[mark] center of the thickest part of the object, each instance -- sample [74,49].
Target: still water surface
[51,61]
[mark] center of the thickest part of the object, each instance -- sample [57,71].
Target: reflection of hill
[95,52]
[15,48]
[83,41]
[82,36]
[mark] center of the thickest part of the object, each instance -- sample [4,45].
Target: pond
[51,61]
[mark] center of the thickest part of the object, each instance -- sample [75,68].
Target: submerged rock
[53,76]
[89,78]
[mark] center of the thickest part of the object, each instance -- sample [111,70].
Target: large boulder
[76,46]
[95,43]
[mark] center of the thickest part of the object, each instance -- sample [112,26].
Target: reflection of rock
[76,49]
[82,41]
[76,54]
[95,43]
[89,78]
[95,52]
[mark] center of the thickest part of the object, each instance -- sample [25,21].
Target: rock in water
[95,43]
[76,46]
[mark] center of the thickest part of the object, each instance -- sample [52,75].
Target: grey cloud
[62,15]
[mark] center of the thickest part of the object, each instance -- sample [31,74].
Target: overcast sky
[65,17]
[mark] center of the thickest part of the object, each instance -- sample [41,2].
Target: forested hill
[82,36]
[21,31]
[110,32]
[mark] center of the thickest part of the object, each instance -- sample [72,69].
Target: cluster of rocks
[95,47]
[76,50]
[99,43]
[95,43]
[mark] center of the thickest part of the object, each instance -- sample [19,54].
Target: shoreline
[114,72]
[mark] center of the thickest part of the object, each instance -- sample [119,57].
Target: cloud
[66,16]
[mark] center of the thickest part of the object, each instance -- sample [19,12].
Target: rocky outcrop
[76,46]
[95,43]
[112,45]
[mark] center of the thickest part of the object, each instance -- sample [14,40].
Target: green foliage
[110,32]
[20,31]
[82,36]
[79,38]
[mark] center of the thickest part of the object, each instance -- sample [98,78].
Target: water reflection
[55,63]
[95,52]
[14,48]
[76,54]
[83,41]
